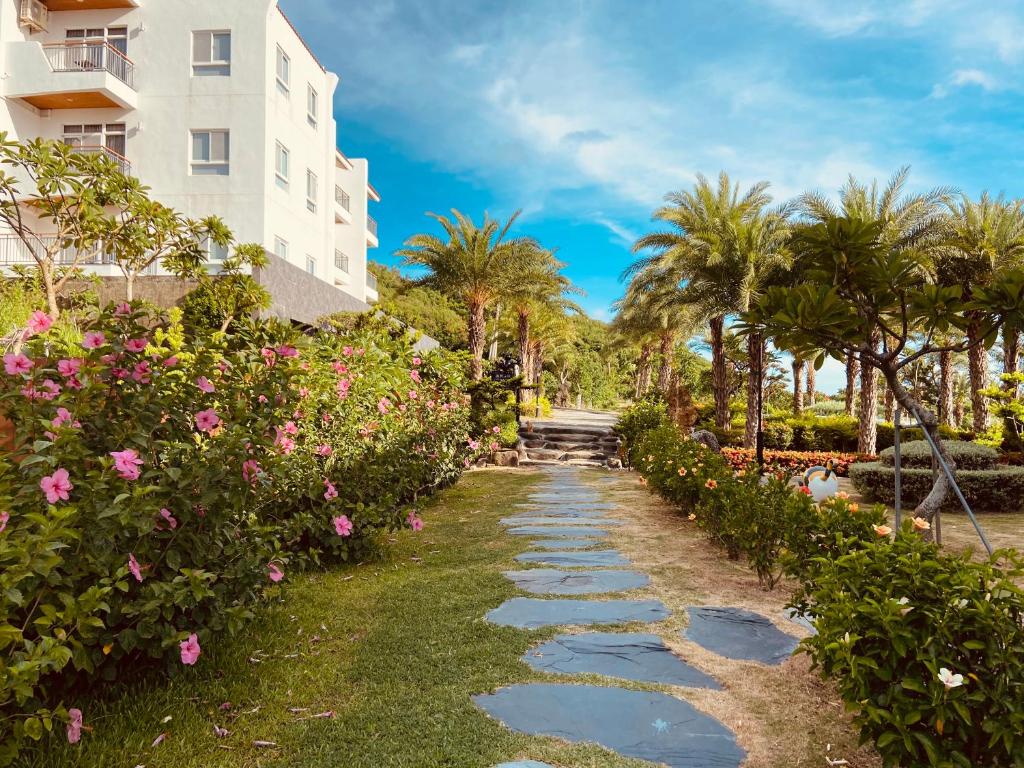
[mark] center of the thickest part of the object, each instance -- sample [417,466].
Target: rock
[505,458]
[614,463]
[704,437]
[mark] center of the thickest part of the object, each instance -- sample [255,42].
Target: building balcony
[342,268]
[14,251]
[371,287]
[70,75]
[371,232]
[342,206]
[123,163]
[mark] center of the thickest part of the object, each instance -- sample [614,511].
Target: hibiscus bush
[159,484]
[927,649]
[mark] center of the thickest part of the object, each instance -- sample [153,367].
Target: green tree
[228,292]
[473,264]
[420,307]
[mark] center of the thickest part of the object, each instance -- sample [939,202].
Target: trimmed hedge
[918,454]
[989,490]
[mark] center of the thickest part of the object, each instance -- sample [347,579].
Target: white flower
[950,680]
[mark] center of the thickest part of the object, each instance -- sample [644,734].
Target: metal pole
[956,488]
[896,463]
[760,403]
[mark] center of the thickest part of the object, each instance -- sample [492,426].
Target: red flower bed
[793,461]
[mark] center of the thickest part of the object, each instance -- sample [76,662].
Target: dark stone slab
[533,613]
[597,558]
[565,543]
[551,581]
[631,656]
[579,531]
[529,520]
[642,724]
[738,634]
[524,764]
[550,510]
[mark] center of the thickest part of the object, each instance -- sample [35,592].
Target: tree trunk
[941,487]
[643,371]
[798,386]
[477,328]
[666,350]
[755,374]
[46,273]
[890,405]
[947,415]
[811,380]
[867,429]
[719,374]
[977,365]
[129,286]
[523,330]
[852,369]
[1011,354]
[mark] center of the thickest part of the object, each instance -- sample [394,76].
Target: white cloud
[974,77]
[622,233]
[468,54]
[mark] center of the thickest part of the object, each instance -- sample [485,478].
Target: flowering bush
[793,462]
[159,485]
[927,649]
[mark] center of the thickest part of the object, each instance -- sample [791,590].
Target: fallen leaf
[258,743]
[158,740]
[219,732]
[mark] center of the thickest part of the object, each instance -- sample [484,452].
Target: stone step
[568,429]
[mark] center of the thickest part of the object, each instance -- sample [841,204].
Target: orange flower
[854,507]
[920,524]
[692,517]
[882,530]
[712,484]
[682,471]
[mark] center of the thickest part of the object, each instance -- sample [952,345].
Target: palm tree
[906,221]
[722,244]
[982,239]
[811,383]
[798,388]
[474,265]
[636,329]
[852,371]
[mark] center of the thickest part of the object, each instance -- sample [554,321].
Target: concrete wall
[164,291]
[300,296]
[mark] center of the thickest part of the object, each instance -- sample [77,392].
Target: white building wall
[172,102]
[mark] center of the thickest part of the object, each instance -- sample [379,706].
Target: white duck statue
[822,482]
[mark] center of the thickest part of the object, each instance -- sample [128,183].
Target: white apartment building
[220,108]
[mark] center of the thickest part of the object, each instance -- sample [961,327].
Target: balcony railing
[371,224]
[122,162]
[13,250]
[341,261]
[90,57]
[342,198]
[371,281]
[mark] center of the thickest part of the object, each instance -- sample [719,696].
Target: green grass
[394,648]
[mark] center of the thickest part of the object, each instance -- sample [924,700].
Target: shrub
[886,434]
[826,433]
[792,462]
[992,490]
[918,453]
[927,649]
[777,435]
[160,484]
[640,417]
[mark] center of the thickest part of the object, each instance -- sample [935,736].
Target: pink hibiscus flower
[415,376]
[74,725]
[70,367]
[274,573]
[57,486]
[331,492]
[339,368]
[383,405]
[94,340]
[39,322]
[343,526]
[287,350]
[4,517]
[15,365]
[204,384]
[190,650]
[127,463]
[63,417]
[290,428]
[123,309]
[136,345]
[324,450]
[250,471]
[473,444]
[170,362]
[416,361]
[347,351]
[172,523]
[142,373]
[133,566]
[207,421]
[414,521]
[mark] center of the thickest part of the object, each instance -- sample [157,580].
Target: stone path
[563,521]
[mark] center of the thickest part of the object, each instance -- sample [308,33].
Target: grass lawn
[394,648]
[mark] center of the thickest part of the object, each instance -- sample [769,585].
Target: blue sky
[584,113]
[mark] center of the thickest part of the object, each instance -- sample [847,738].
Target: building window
[311,190]
[211,53]
[282,161]
[281,248]
[310,264]
[284,71]
[312,105]
[211,152]
[92,39]
[215,252]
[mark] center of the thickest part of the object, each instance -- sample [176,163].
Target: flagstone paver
[551,581]
[525,520]
[524,764]
[629,655]
[565,543]
[595,558]
[642,724]
[569,531]
[739,634]
[533,613]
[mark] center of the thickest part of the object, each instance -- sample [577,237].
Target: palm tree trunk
[977,367]
[798,386]
[666,350]
[719,374]
[523,330]
[890,405]
[492,353]
[852,369]
[755,353]
[1011,354]
[867,428]
[947,415]
[811,381]
[476,327]
[643,371]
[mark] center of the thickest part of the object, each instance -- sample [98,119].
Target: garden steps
[571,443]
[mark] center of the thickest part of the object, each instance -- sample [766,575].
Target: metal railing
[341,261]
[90,57]
[342,198]
[13,250]
[371,281]
[371,224]
[123,163]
